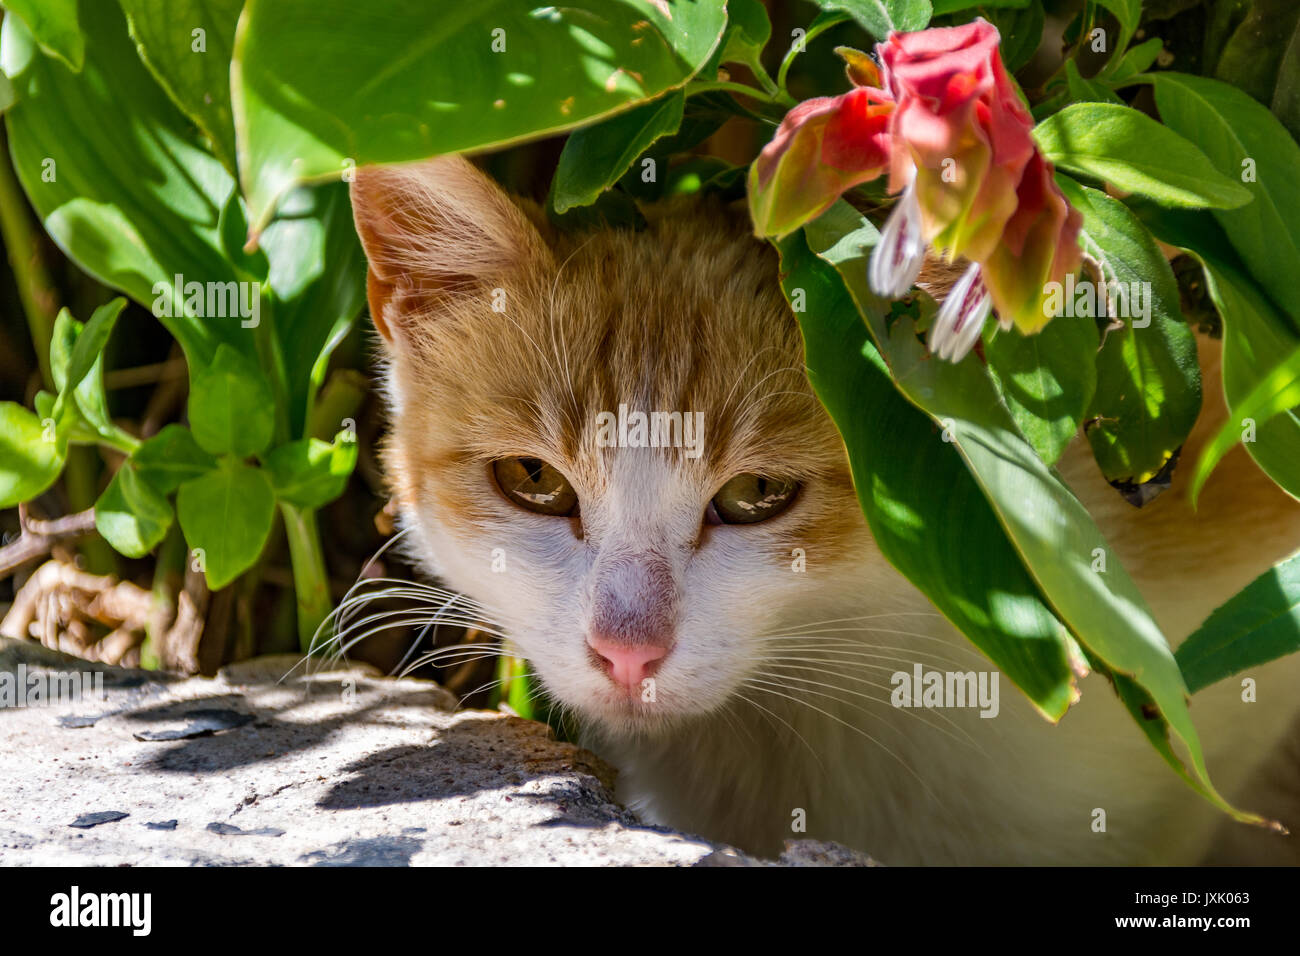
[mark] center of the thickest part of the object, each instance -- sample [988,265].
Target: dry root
[100,618]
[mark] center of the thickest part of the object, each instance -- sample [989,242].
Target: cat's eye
[534,485]
[750,498]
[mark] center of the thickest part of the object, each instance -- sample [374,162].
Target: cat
[653,592]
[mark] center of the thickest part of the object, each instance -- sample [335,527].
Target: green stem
[271,357]
[310,580]
[168,579]
[80,481]
[730,86]
[35,290]
[795,50]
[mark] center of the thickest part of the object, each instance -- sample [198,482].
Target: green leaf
[198,81]
[924,509]
[131,515]
[227,515]
[54,25]
[318,279]
[1136,154]
[1275,393]
[1286,94]
[1258,624]
[7,94]
[748,30]
[1148,381]
[1021,31]
[1047,380]
[1231,128]
[1087,91]
[90,343]
[594,158]
[170,458]
[880,17]
[231,408]
[1053,534]
[310,473]
[76,362]
[1129,14]
[128,192]
[1254,53]
[1135,61]
[1255,333]
[406,85]
[31,455]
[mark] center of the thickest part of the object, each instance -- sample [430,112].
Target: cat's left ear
[435,231]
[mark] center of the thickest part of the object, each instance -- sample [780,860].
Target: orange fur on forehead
[685,315]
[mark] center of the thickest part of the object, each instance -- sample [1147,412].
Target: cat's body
[771,686]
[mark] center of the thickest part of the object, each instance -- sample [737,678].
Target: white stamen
[897,260]
[961,317]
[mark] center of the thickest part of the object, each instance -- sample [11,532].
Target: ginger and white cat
[507,342]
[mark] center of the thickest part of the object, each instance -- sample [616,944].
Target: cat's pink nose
[627,665]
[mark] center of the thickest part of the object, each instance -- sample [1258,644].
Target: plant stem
[34,287]
[796,49]
[310,581]
[741,89]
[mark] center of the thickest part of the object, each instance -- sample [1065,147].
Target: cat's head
[644,584]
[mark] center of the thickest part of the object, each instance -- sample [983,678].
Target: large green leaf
[31,455]
[594,158]
[227,515]
[1241,137]
[54,25]
[1135,154]
[1056,538]
[926,512]
[1258,624]
[880,17]
[198,80]
[1047,380]
[1256,334]
[1148,380]
[117,175]
[320,82]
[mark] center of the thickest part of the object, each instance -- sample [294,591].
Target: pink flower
[823,147]
[972,183]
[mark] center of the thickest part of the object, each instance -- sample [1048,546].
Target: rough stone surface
[341,768]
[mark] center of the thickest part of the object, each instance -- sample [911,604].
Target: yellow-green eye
[747,499]
[534,485]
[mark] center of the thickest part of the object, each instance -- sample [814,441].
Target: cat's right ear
[435,231]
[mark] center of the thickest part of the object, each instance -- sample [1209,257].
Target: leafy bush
[170,143]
